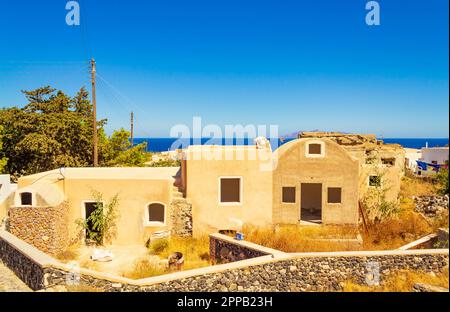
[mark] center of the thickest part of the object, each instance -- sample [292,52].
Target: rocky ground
[9,281]
[431,206]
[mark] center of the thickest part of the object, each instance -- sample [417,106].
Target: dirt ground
[124,258]
[10,282]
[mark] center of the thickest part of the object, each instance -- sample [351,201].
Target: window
[156,213]
[334,195]
[288,194]
[388,161]
[314,149]
[230,190]
[374,180]
[26,199]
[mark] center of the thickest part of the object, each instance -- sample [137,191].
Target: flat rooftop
[139,173]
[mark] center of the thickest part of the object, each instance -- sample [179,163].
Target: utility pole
[94,112]
[131,128]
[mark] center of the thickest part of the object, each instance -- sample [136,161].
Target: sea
[167,144]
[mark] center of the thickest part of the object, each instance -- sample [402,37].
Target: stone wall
[297,274]
[22,264]
[181,217]
[277,272]
[43,227]
[431,206]
[224,249]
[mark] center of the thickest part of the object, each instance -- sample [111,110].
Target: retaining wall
[273,272]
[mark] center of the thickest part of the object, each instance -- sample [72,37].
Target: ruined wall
[46,228]
[181,217]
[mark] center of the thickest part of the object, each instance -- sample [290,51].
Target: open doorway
[91,231]
[311,202]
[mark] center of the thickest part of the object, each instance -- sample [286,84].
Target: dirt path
[9,281]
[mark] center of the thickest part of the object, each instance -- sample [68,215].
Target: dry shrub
[410,187]
[396,232]
[401,281]
[144,269]
[293,238]
[159,245]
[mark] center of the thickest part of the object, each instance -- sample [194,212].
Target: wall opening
[156,213]
[26,199]
[90,208]
[311,202]
[230,190]
[390,162]
[374,181]
[314,149]
[334,195]
[288,194]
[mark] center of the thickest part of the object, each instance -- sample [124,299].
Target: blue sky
[301,65]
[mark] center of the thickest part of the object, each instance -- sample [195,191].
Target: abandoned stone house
[318,177]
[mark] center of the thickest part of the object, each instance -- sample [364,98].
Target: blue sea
[166,144]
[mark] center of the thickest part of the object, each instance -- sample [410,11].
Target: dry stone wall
[181,217]
[46,228]
[297,272]
[431,206]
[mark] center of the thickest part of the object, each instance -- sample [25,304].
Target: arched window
[156,213]
[26,199]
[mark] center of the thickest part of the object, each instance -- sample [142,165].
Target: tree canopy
[55,130]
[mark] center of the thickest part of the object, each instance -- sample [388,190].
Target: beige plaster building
[319,177]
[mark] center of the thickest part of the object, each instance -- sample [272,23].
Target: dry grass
[144,269]
[396,232]
[416,187]
[72,253]
[195,252]
[410,187]
[293,238]
[401,281]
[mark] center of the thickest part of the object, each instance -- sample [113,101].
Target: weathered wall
[206,164]
[46,228]
[296,272]
[181,217]
[336,169]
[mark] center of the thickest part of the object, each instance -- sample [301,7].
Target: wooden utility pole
[131,128]
[94,113]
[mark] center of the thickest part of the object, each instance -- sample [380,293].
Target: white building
[411,157]
[434,155]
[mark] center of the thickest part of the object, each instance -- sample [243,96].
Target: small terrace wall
[275,272]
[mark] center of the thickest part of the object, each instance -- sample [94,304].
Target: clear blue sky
[302,65]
